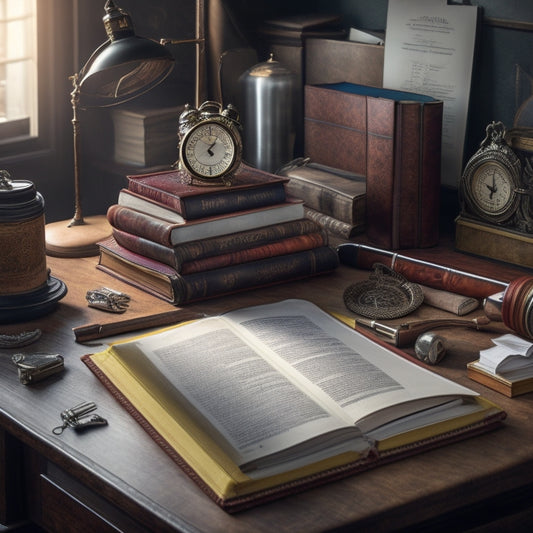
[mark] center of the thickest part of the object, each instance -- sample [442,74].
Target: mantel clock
[496,197]
[210,143]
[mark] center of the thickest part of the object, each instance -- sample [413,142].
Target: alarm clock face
[209,150]
[492,189]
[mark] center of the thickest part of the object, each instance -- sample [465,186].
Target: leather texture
[396,144]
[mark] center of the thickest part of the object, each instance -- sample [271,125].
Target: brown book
[176,256]
[173,233]
[335,60]
[226,250]
[394,139]
[339,195]
[163,281]
[251,188]
[333,225]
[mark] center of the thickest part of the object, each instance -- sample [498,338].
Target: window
[18,69]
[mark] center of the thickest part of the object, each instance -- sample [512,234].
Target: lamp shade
[123,70]
[123,67]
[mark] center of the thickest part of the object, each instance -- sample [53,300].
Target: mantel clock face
[210,148]
[491,182]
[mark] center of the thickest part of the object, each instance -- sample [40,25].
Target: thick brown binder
[394,139]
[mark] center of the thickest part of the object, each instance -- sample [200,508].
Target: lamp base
[76,241]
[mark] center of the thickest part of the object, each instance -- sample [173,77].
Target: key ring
[79,417]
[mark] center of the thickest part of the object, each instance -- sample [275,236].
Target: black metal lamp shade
[125,66]
[124,70]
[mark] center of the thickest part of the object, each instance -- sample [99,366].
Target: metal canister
[23,259]
[27,290]
[267,94]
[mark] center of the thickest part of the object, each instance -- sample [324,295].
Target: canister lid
[268,69]
[19,199]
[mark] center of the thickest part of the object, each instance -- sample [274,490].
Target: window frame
[55,56]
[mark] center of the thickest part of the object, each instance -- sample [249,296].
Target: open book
[269,399]
[506,367]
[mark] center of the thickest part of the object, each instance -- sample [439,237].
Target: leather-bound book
[394,139]
[172,233]
[251,188]
[225,250]
[164,282]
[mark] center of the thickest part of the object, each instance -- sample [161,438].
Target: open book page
[272,377]
[256,410]
[363,382]
[511,356]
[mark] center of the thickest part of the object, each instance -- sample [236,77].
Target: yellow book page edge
[193,445]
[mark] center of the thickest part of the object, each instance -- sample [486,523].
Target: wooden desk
[118,475]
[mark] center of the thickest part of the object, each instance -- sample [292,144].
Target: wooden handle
[97,331]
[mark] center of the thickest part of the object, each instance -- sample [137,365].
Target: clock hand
[209,151]
[492,188]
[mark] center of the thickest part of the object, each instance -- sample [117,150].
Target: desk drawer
[68,506]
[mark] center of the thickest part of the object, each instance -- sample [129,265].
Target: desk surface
[124,465]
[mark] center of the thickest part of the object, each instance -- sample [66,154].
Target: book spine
[380,186]
[257,274]
[176,256]
[403,172]
[327,201]
[234,242]
[285,246]
[405,229]
[148,248]
[220,203]
[228,202]
[431,169]
[141,224]
[333,225]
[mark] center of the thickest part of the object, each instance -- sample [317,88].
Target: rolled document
[448,301]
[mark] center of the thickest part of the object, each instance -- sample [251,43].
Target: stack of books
[145,137]
[184,242]
[334,198]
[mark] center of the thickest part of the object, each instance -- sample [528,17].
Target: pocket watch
[210,143]
[490,187]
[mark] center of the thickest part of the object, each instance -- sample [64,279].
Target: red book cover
[251,188]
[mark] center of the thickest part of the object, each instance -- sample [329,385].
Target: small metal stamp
[108,300]
[18,340]
[37,366]
[430,348]
[79,417]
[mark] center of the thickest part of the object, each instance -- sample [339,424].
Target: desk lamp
[120,69]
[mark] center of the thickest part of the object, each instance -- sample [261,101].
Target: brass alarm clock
[490,188]
[210,143]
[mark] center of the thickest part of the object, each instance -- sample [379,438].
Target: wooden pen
[91,332]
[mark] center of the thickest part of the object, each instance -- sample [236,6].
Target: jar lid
[269,69]
[19,199]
